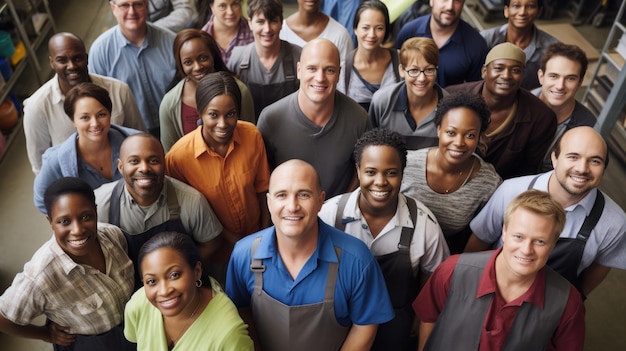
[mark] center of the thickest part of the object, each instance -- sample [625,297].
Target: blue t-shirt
[360,293]
[461,58]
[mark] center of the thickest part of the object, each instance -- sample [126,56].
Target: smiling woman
[84,307]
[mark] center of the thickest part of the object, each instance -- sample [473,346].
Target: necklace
[171,344]
[458,176]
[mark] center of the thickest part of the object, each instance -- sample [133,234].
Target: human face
[370,31]
[131,15]
[527,241]
[169,282]
[91,119]
[196,59]
[421,85]
[294,199]
[68,59]
[265,30]
[458,135]
[227,12]
[522,13]
[560,81]
[503,77]
[318,71]
[380,176]
[580,164]
[219,120]
[446,13]
[141,165]
[74,222]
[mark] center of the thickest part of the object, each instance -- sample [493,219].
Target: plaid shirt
[244,37]
[76,296]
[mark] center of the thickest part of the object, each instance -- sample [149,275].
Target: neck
[563,112]
[137,36]
[449,168]
[422,101]
[519,35]
[438,31]
[496,102]
[89,147]
[271,52]
[365,55]
[318,113]
[307,18]
[220,27]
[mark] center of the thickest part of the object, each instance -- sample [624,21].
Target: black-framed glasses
[428,72]
[127,5]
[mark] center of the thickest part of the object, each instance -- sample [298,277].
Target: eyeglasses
[428,72]
[127,5]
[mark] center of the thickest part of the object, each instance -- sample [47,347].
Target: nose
[582,166]
[560,83]
[380,178]
[527,247]
[76,228]
[197,65]
[320,75]
[459,140]
[292,203]
[93,121]
[266,26]
[143,166]
[163,287]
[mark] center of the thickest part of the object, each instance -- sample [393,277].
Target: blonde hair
[423,46]
[540,203]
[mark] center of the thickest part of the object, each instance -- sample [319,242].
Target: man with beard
[146,201]
[592,241]
[45,121]
[462,50]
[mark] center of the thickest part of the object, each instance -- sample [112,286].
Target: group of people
[262,184]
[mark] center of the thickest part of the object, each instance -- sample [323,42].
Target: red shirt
[569,335]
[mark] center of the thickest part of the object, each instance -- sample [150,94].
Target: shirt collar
[67,263]
[535,293]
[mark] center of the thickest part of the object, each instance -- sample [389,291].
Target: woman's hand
[59,335]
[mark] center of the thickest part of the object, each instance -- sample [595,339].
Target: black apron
[568,252]
[135,241]
[266,94]
[401,284]
[311,327]
[112,340]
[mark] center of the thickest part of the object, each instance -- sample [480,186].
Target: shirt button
[364,226]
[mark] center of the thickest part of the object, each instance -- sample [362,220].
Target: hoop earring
[198,283]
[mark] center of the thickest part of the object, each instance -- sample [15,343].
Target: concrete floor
[25,229]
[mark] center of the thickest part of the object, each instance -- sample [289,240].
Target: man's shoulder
[277,109]
[539,108]
[417,24]
[582,116]
[467,86]
[42,94]
[614,211]
[107,82]
[104,39]
[104,191]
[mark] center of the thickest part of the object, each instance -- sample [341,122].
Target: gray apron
[310,327]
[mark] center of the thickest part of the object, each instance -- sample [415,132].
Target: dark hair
[571,52]
[465,99]
[67,185]
[375,5]
[181,243]
[215,84]
[380,137]
[188,34]
[271,9]
[84,90]
[539,3]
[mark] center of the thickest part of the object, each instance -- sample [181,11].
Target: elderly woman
[91,152]
[521,31]
[225,160]
[369,67]
[196,55]
[79,280]
[408,107]
[451,179]
[179,308]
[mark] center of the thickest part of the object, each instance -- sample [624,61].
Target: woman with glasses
[369,67]
[408,107]
[227,26]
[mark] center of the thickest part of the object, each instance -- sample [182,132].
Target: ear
[553,158]
[49,219]
[50,60]
[401,71]
[540,76]
[119,165]
[483,72]
[298,70]
[197,271]
[506,12]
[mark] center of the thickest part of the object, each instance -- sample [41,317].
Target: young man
[593,239]
[561,73]
[268,65]
[507,299]
[309,285]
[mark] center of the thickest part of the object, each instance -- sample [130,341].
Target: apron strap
[114,203]
[290,74]
[244,65]
[532,182]
[257,267]
[407,233]
[593,218]
[347,67]
[340,222]
[331,278]
[172,201]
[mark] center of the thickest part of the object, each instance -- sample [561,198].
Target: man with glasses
[138,53]
[522,126]
[408,107]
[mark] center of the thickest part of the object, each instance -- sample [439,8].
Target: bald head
[68,58]
[321,48]
[295,167]
[583,137]
[142,141]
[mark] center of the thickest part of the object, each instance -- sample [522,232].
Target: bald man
[585,252]
[317,123]
[309,285]
[45,121]
[146,201]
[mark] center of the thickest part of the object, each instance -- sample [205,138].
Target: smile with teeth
[579,179]
[77,242]
[169,303]
[524,260]
[379,193]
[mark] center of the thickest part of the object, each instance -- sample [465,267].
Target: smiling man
[146,201]
[593,239]
[317,123]
[522,127]
[507,299]
[309,286]
[561,74]
[45,121]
